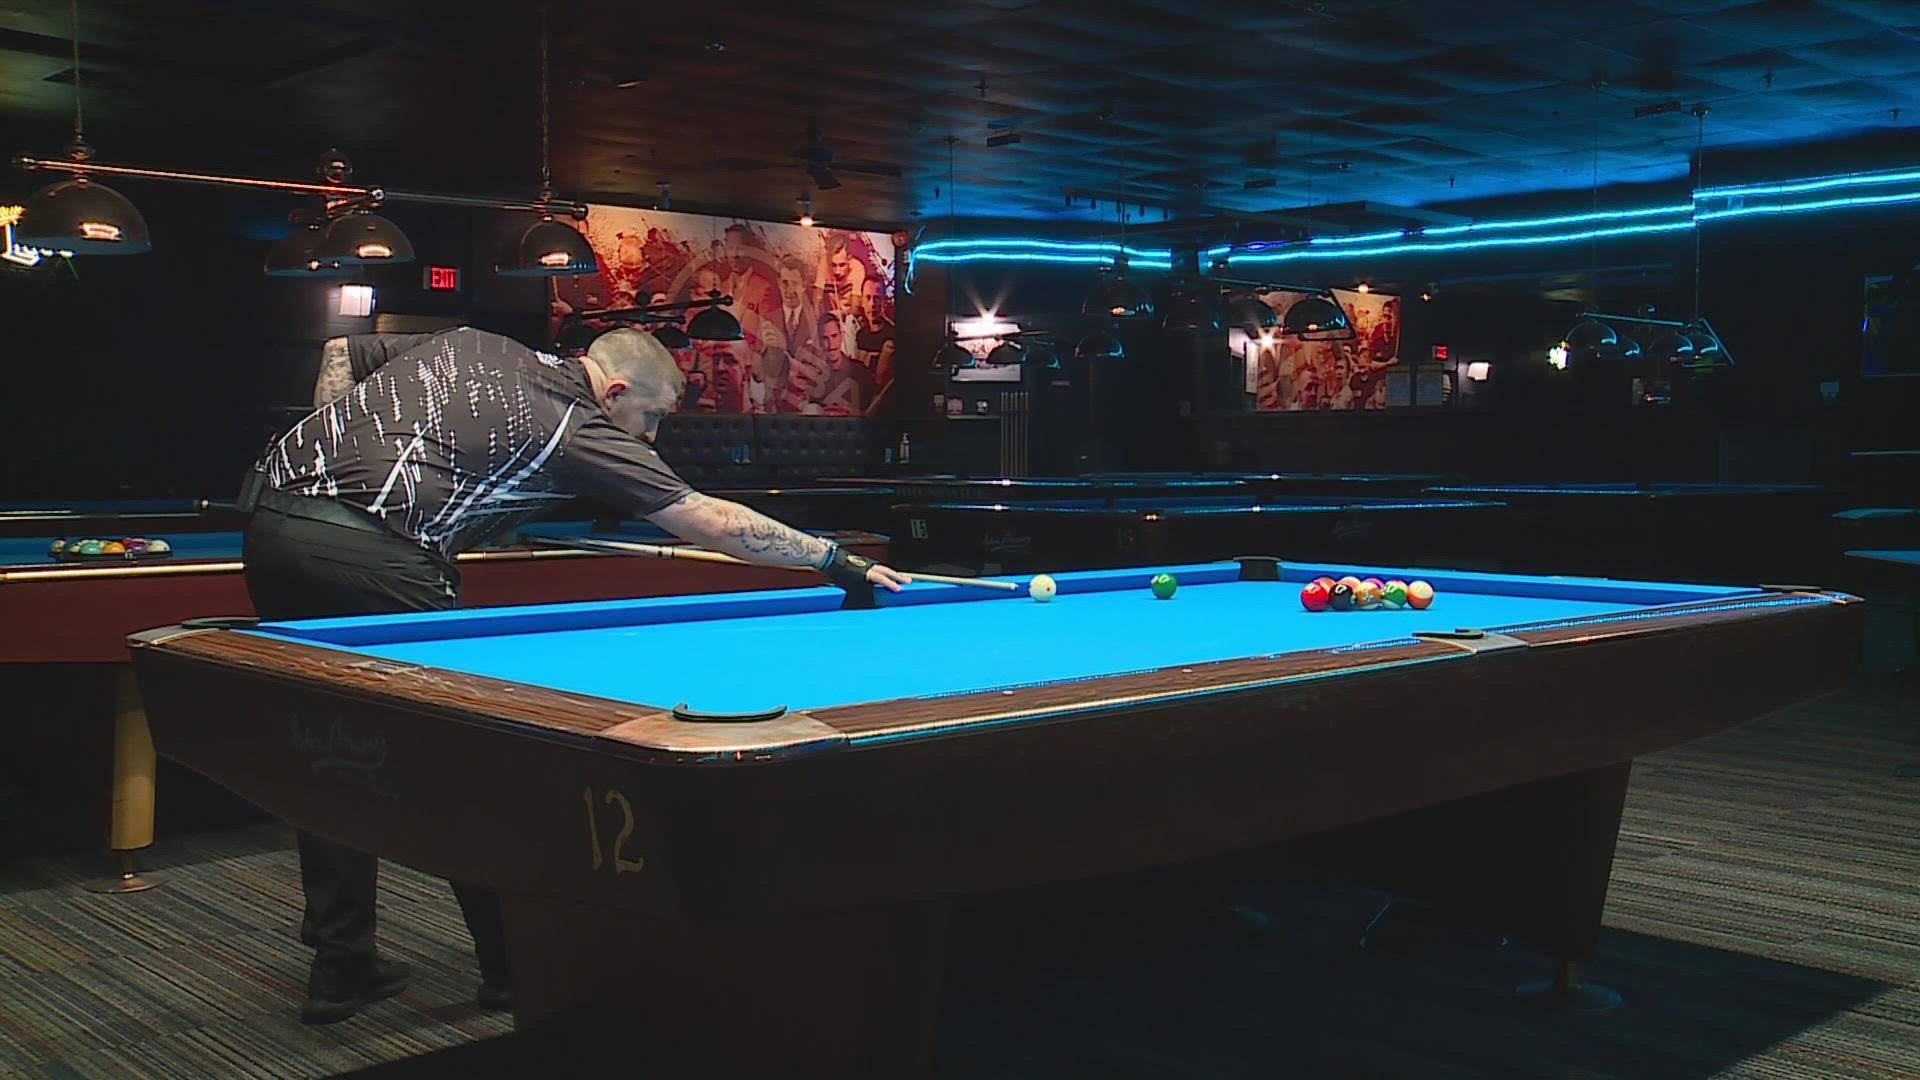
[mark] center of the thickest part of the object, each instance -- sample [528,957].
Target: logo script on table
[333,748]
[1007,542]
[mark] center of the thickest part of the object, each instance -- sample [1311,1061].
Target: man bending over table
[421,446]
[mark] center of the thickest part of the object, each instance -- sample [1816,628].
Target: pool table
[1677,531]
[734,825]
[63,631]
[1086,534]
[950,488]
[119,517]
[1294,483]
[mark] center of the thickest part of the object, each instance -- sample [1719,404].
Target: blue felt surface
[1892,555]
[751,651]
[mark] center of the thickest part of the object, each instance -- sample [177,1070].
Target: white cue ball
[1042,588]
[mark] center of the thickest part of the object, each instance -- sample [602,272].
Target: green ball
[1164,585]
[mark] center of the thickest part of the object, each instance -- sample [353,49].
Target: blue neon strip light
[1794,187]
[1420,241]
[1057,246]
[1805,207]
[1563,219]
[1462,245]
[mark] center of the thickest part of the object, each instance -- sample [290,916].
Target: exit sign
[440,279]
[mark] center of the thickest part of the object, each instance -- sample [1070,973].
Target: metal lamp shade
[1117,297]
[365,240]
[83,217]
[297,255]
[549,249]
[1316,315]
[1097,346]
[715,324]
[1248,312]
[1193,314]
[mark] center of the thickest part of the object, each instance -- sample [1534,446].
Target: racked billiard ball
[1324,582]
[1394,596]
[57,547]
[87,547]
[1349,581]
[1367,595]
[158,547]
[1314,596]
[1419,595]
[1163,586]
[137,546]
[1341,597]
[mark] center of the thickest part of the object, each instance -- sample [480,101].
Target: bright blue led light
[1011,246]
[1804,207]
[1562,219]
[1369,238]
[1792,187]
[1462,245]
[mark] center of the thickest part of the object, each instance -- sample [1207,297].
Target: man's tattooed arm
[735,530]
[336,372]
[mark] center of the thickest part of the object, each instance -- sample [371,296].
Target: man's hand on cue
[847,570]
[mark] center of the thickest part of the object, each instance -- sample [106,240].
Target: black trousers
[299,568]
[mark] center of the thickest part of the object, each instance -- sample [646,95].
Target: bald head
[641,383]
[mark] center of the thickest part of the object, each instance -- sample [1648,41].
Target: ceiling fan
[817,158]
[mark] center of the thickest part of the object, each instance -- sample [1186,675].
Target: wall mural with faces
[816,305]
[1291,375]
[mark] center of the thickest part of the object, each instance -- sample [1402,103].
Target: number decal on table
[593,827]
[621,864]
[917,527]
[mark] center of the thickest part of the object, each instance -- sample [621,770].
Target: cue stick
[662,551]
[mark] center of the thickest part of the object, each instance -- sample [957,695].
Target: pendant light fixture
[715,323]
[358,236]
[297,254]
[1246,311]
[77,214]
[548,248]
[1118,296]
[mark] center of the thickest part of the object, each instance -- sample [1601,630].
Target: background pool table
[719,826]
[75,731]
[1675,531]
[1084,534]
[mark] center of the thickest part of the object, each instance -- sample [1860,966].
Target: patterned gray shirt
[454,436]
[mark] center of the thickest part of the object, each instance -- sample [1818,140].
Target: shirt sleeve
[606,464]
[367,352]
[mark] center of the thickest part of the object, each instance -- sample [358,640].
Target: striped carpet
[1764,923]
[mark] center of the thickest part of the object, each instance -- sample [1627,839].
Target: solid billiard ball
[1314,596]
[158,547]
[113,547]
[87,547]
[1419,595]
[1367,596]
[137,546]
[1341,598]
[1324,582]
[1042,588]
[1394,596]
[1163,586]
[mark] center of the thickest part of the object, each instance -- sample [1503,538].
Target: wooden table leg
[131,827]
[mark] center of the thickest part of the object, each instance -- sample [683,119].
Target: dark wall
[163,374]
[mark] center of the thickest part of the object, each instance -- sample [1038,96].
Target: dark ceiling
[1230,105]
